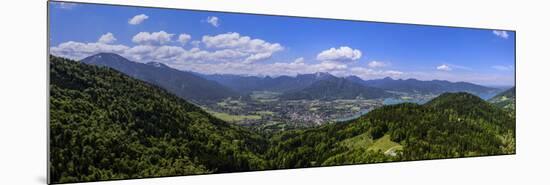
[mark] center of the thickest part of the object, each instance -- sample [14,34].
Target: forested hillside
[506,99]
[106,125]
[452,125]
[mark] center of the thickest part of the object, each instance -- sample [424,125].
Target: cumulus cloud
[257,57]
[213,20]
[501,34]
[444,67]
[255,49]
[155,38]
[107,38]
[342,54]
[225,54]
[138,19]
[184,38]
[77,50]
[299,60]
[235,40]
[368,73]
[195,43]
[377,64]
[290,68]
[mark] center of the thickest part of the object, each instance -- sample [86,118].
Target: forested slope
[106,125]
[452,125]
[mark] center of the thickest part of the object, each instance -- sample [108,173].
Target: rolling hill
[105,125]
[183,84]
[506,99]
[331,88]
[451,125]
[247,84]
[293,84]
[427,87]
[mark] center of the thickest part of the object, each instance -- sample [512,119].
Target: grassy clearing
[234,118]
[365,142]
[266,113]
[384,144]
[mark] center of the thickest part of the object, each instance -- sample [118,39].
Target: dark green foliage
[105,125]
[506,99]
[452,125]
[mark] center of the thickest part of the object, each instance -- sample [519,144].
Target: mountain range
[427,87]
[184,84]
[321,85]
[332,88]
[106,125]
[247,84]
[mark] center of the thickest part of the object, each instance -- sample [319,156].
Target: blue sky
[213,42]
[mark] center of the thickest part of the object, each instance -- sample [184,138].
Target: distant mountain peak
[320,73]
[158,64]
[104,54]
[184,84]
[111,57]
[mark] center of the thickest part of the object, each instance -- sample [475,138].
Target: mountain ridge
[184,84]
[106,125]
[122,127]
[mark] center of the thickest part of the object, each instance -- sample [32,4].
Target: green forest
[105,125]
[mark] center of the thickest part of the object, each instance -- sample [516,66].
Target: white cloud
[444,67]
[107,38]
[342,54]
[328,66]
[235,40]
[154,38]
[138,19]
[227,54]
[214,21]
[454,66]
[298,66]
[501,34]
[195,43]
[184,38]
[299,60]
[78,50]
[368,73]
[254,49]
[503,68]
[140,53]
[257,57]
[377,64]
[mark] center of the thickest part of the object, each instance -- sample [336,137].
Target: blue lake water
[355,116]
